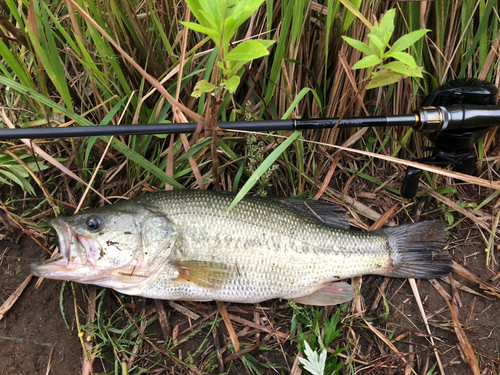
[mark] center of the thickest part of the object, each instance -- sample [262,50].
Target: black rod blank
[426,119]
[186,128]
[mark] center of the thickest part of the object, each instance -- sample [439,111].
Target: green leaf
[266,164]
[386,28]
[141,161]
[404,58]
[408,40]
[383,78]
[299,97]
[450,218]
[367,62]
[202,29]
[282,45]
[220,64]
[247,51]
[378,43]
[266,43]
[118,145]
[330,327]
[231,84]
[16,65]
[48,55]
[314,362]
[403,69]
[360,46]
[212,12]
[201,87]
[235,66]
[240,12]
[13,176]
[163,135]
[197,10]
[351,12]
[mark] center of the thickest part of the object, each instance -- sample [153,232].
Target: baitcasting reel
[453,147]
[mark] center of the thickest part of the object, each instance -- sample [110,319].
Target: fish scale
[183,245]
[272,250]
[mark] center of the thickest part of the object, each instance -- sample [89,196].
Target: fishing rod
[454,116]
[425,119]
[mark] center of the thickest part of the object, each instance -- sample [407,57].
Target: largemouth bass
[181,245]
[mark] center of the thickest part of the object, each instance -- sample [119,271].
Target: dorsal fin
[326,212]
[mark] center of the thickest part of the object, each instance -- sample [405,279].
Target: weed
[12,170]
[314,334]
[255,158]
[220,21]
[386,73]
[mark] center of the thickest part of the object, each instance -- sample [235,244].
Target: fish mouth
[78,262]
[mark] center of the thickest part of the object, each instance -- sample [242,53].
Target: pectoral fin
[330,294]
[205,274]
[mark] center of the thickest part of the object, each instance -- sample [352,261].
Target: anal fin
[330,294]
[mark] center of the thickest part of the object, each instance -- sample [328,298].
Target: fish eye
[93,223]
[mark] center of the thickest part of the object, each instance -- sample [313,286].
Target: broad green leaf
[300,9]
[247,51]
[404,58]
[210,11]
[383,78]
[59,76]
[49,58]
[201,87]
[240,12]
[378,43]
[221,65]
[215,35]
[197,10]
[235,66]
[367,62]
[414,72]
[408,40]
[6,182]
[266,43]
[386,27]
[403,69]
[18,180]
[360,46]
[373,48]
[231,84]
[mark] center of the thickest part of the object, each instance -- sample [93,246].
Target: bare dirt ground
[34,337]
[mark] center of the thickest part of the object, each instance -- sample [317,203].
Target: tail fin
[417,250]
